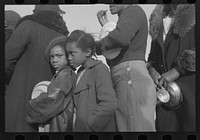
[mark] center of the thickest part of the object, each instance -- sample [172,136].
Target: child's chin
[56,68]
[73,66]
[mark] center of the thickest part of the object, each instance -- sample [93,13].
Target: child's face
[57,57]
[76,56]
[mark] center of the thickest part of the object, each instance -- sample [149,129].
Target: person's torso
[64,121]
[137,46]
[165,53]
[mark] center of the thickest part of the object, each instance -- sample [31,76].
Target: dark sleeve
[15,47]
[186,61]
[98,48]
[50,104]
[150,57]
[125,31]
[106,98]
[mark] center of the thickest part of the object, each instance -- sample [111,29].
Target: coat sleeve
[15,47]
[50,104]
[125,31]
[106,100]
[186,62]
[150,57]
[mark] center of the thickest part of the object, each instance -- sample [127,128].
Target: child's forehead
[57,47]
[71,45]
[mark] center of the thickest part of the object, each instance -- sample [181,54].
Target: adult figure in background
[25,63]
[11,19]
[172,58]
[133,85]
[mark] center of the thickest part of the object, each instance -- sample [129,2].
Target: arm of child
[106,99]
[50,104]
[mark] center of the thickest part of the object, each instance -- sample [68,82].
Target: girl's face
[57,57]
[76,56]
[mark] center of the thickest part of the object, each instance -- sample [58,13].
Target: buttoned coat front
[95,100]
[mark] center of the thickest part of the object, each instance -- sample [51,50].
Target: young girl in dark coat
[94,96]
[55,107]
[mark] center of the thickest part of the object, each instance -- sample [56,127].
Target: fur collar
[49,19]
[184,19]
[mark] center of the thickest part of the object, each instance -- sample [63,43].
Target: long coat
[164,56]
[25,61]
[95,100]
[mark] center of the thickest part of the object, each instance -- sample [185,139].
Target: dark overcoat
[165,56]
[26,65]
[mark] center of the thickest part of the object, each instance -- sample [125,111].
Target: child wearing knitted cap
[53,109]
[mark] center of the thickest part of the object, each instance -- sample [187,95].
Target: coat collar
[90,64]
[84,82]
[64,67]
[184,19]
[49,19]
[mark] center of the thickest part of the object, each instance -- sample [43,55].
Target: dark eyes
[71,53]
[57,55]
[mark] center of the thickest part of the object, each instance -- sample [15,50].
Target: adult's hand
[102,17]
[169,76]
[154,75]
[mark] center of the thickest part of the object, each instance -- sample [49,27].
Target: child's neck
[88,62]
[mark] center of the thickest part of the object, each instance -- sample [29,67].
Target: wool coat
[25,66]
[167,55]
[95,100]
[56,106]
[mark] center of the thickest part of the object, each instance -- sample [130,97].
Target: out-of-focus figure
[11,19]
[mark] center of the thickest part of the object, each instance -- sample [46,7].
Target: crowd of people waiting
[84,95]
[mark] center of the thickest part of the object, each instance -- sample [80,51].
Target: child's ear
[89,52]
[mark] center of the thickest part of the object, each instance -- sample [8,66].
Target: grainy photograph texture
[100,68]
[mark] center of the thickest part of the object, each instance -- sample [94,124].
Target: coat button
[128,69]
[129,82]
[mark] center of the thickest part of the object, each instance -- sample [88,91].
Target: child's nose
[55,59]
[69,57]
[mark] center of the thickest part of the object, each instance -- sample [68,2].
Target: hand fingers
[165,84]
[156,81]
[157,78]
[101,13]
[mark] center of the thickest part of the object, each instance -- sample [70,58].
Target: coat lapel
[168,39]
[83,83]
[161,44]
[160,40]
